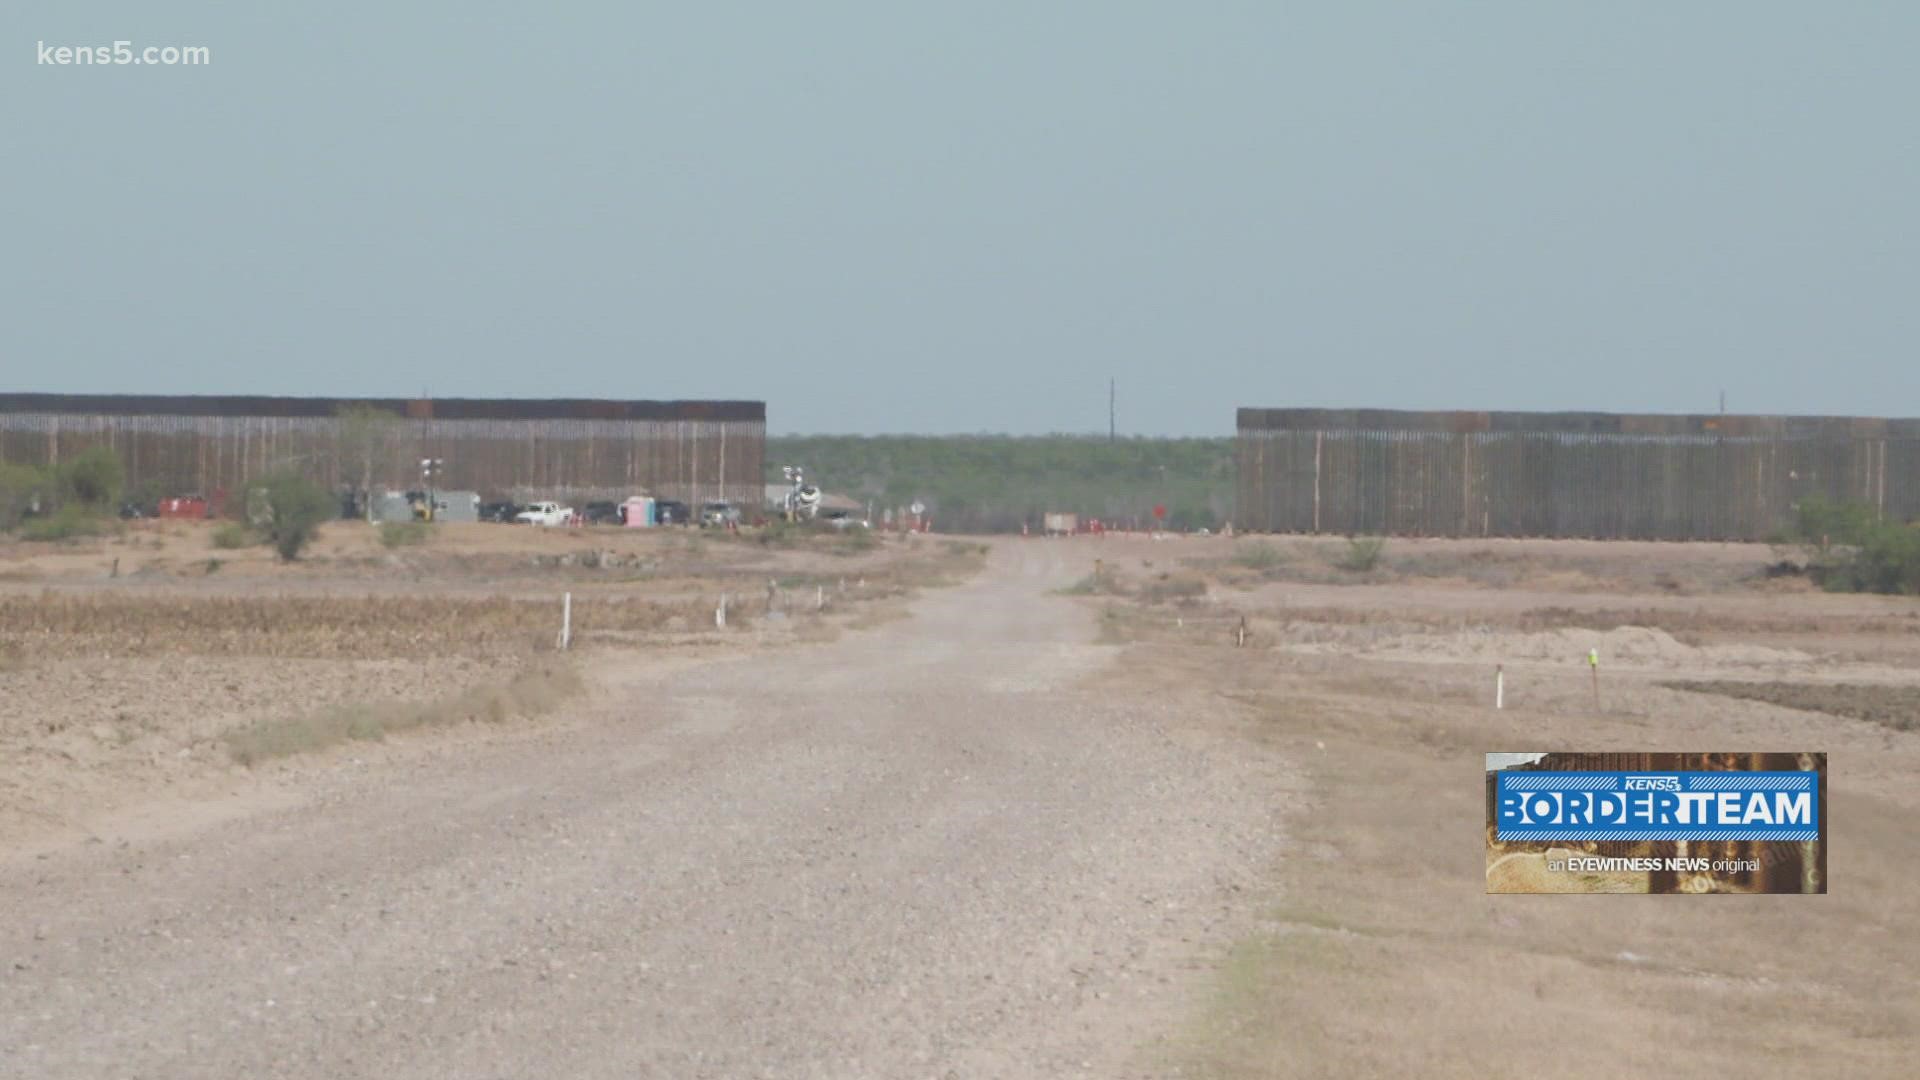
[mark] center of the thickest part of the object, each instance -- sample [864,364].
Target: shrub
[533,691]
[1258,555]
[779,533]
[1819,522]
[93,478]
[855,540]
[232,535]
[1173,587]
[67,523]
[1887,560]
[1849,549]
[146,495]
[1102,582]
[23,490]
[294,508]
[403,533]
[1362,554]
[368,437]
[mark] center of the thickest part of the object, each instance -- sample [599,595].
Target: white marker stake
[720,613]
[1593,661]
[1499,686]
[566,620]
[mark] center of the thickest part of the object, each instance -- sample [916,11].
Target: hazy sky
[965,217]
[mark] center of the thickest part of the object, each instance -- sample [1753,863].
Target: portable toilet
[456,506]
[392,506]
[637,512]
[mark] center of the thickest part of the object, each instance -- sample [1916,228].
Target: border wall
[521,449]
[1597,475]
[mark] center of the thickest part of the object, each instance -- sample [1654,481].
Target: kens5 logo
[1652,783]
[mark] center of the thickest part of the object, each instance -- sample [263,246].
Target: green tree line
[995,483]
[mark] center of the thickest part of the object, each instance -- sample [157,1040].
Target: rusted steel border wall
[686,450]
[1598,475]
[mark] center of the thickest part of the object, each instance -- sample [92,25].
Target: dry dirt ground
[1382,955]
[1003,832]
[933,847]
[120,687]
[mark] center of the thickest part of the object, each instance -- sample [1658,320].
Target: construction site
[960,542]
[1290,697]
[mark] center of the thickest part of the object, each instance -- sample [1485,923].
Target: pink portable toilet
[637,512]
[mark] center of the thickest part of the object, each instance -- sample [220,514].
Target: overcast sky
[965,217]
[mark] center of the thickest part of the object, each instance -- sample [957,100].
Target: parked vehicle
[718,514]
[545,513]
[503,512]
[185,508]
[601,513]
[669,512]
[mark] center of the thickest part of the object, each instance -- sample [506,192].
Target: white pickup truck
[545,513]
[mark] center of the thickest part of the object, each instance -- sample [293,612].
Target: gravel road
[940,847]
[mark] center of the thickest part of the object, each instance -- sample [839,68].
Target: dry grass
[1897,707]
[1153,588]
[1690,626]
[1326,561]
[1381,912]
[1381,909]
[373,627]
[536,689]
[1166,587]
[948,563]
[878,614]
[426,625]
[395,534]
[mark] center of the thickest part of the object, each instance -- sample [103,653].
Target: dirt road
[939,847]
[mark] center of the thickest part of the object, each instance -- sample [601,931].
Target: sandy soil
[1010,832]
[937,848]
[99,722]
[1384,957]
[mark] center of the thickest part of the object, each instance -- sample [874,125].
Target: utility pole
[430,469]
[1110,423]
